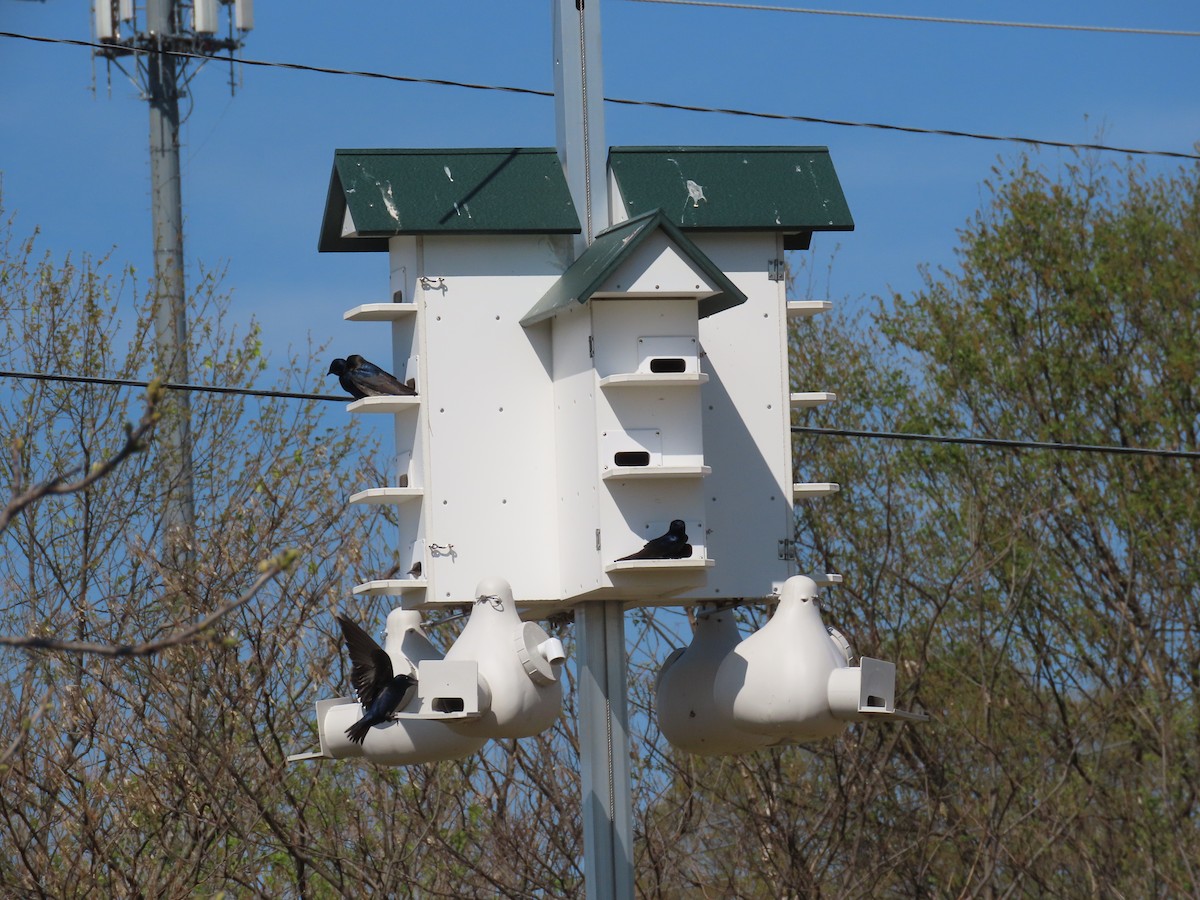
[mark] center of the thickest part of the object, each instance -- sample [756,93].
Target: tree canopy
[1044,603]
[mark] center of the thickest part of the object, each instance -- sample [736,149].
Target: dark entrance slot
[448,704]
[673,365]
[875,702]
[631,458]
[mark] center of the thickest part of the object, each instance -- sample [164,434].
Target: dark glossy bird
[672,545]
[360,378]
[379,691]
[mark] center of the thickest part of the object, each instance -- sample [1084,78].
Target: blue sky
[256,166]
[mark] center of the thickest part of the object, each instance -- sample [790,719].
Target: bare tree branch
[267,571]
[134,443]
[26,727]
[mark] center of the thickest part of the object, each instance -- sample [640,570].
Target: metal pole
[604,751]
[579,112]
[603,705]
[170,318]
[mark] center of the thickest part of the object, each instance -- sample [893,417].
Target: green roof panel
[474,191]
[606,254]
[793,190]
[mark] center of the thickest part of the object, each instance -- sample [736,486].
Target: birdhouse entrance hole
[673,365]
[631,458]
[668,354]
[448,704]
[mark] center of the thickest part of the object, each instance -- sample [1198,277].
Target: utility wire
[938,19]
[299,67]
[799,429]
[998,442]
[655,104]
[1036,142]
[173,386]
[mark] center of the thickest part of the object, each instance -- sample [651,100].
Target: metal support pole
[579,112]
[603,705]
[604,751]
[170,317]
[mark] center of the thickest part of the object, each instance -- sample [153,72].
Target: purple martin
[672,545]
[379,692]
[360,378]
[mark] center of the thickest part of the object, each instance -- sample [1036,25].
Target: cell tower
[169,35]
[117,26]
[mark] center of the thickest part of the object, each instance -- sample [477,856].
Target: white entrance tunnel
[500,678]
[789,682]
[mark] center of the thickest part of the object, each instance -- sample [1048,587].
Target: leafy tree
[1044,603]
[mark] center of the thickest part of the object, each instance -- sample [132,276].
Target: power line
[939,19]
[655,104]
[299,67]
[797,429]
[1036,142]
[998,442]
[173,386]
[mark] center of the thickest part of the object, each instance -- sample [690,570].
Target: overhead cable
[172,386]
[1110,449]
[655,104]
[1036,142]
[938,19]
[299,67]
[798,429]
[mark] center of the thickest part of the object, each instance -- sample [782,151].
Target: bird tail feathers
[358,731]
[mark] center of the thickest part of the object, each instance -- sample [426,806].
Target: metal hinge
[597,539]
[776,270]
[591,346]
[787,549]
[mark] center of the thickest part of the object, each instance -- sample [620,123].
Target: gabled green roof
[793,190]
[610,249]
[475,191]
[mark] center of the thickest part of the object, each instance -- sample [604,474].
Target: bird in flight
[672,545]
[379,691]
[360,378]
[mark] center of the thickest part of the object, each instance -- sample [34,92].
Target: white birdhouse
[568,411]
[791,681]
[500,679]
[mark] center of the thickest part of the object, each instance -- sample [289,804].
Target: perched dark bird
[360,378]
[672,545]
[415,571]
[379,692]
